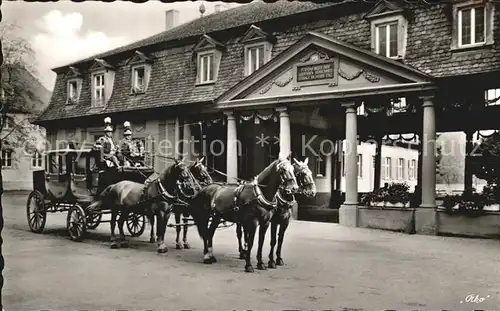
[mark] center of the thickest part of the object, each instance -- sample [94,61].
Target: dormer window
[72,92]
[206,68]
[140,72]
[255,58]
[208,54]
[388,29]
[386,39]
[258,45]
[74,86]
[139,75]
[473,24]
[98,86]
[102,81]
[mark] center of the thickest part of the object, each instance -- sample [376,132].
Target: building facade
[263,78]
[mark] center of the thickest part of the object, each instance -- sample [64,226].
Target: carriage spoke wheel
[76,223]
[93,220]
[35,212]
[136,224]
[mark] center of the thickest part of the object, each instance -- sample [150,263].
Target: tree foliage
[21,100]
[486,160]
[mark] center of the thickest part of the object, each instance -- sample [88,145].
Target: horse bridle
[197,165]
[178,189]
[284,179]
[301,181]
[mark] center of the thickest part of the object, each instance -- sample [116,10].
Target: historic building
[22,142]
[261,78]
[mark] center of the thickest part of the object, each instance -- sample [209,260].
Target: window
[206,68]
[321,166]
[386,39]
[471,26]
[53,164]
[400,172]
[7,158]
[72,92]
[98,90]
[80,164]
[387,168]
[36,160]
[255,58]
[492,97]
[139,79]
[360,165]
[411,169]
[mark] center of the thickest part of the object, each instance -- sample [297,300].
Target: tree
[17,96]
[450,165]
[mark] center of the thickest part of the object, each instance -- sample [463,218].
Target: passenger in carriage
[107,145]
[129,151]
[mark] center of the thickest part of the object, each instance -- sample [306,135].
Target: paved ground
[327,267]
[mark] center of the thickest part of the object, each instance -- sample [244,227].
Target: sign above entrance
[315,72]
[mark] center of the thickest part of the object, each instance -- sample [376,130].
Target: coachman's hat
[126,127]
[107,125]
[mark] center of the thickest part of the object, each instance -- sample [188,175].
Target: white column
[187,147]
[177,137]
[231,149]
[285,131]
[428,153]
[351,155]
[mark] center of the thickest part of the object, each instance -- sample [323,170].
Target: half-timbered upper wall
[429,33]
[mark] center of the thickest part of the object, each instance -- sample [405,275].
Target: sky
[65,31]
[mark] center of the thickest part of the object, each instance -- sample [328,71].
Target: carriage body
[70,181]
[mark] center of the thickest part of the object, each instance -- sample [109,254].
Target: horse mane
[269,179]
[165,173]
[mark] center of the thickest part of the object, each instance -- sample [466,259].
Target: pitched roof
[32,97]
[239,16]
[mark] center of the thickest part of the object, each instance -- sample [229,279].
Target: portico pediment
[319,66]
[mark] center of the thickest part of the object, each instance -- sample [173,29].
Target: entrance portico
[319,73]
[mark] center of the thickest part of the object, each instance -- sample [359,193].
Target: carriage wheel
[35,212]
[93,220]
[136,224]
[76,223]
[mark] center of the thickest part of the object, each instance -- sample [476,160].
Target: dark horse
[283,213]
[174,184]
[204,179]
[200,173]
[245,204]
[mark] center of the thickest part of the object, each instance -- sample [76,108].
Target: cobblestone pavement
[327,267]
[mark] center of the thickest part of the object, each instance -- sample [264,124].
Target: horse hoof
[178,246]
[213,259]
[279,262]
[152,240]
[207,261]
[271,265]
[261,266]
[249,269]
[162,250]
[186,246]
[114,245]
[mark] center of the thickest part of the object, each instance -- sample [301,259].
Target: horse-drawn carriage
[70,182]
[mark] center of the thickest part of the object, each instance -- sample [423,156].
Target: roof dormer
[258,47]
[74,81]
[140,72]
[102,81]
[208,56]
[388,26]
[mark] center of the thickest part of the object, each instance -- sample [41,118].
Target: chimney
[217,8]
[171,19]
